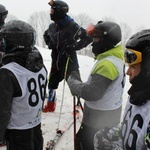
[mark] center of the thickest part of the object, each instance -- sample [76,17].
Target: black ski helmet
[3,10]
[140,41]
[60,8]
[3,14]
[109,34]
[18,35]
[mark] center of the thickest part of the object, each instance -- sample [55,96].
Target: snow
[50,121]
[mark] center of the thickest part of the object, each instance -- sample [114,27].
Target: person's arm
[91,90]
[102,76]
[6,93]
[84,39]
[80,38]
[47,38]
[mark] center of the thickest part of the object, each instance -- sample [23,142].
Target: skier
[103,90]
[3,15]
[134,131]
[23,79]
[64,37]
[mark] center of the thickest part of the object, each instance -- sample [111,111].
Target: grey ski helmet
[60,8]
[18,35]
[140,41]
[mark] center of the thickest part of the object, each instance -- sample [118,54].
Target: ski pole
[79,103]
[74,118]
[65,73]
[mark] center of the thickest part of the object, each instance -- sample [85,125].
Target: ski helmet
[3,14]
[140,42]
[108,33]
[18,35]
[58,9]
[3,10]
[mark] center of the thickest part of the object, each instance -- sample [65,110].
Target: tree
[10,17]
[40,22]
[126,33]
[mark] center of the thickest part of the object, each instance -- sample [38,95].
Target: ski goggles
[132,57]
[94,32]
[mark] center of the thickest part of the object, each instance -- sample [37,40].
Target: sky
[134,13]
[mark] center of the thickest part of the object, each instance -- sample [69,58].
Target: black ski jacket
[9,85]
[64,38]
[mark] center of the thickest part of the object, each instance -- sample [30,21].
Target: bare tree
[126,33]
[10,17]
[40,22]
[83,20]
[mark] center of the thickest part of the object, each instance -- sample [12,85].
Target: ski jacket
[23,79]
[135,130]
[64,38]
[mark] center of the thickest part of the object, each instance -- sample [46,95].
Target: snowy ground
[50,120]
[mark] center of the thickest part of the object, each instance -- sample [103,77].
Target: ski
[59,133]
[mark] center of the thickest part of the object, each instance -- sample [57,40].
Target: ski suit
[64,38]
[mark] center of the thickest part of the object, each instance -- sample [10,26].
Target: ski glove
[75,83]
[108,139]
[68,48]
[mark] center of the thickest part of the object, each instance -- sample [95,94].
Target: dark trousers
[56,77]
[29,139]
[84,138]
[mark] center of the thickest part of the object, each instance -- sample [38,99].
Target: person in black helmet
[23,79]
[64,37]
[134,131]
[103,90]
[3,15]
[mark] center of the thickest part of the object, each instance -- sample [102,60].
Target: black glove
[68,47]
[72,46]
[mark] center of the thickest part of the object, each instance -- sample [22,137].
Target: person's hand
[68,47]
[75,75]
